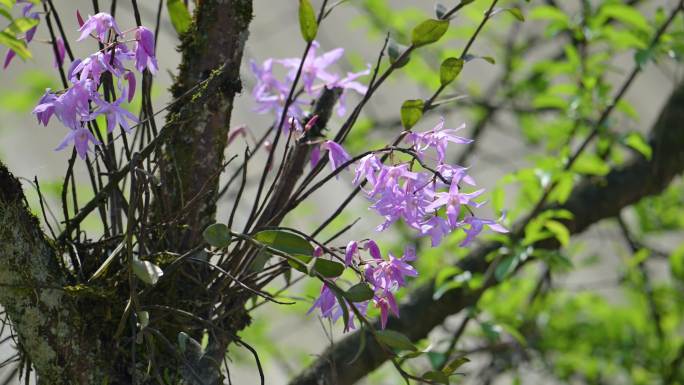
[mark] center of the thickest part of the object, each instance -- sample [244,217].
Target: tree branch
[591,201]
[47,320]
[193,156]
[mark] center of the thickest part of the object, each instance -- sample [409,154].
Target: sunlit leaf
[428,32]
[284,241]
[411,112]
[450,69]
[307,21]
[179,14]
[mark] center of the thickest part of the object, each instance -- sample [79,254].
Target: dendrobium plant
[426,192]
[80,104]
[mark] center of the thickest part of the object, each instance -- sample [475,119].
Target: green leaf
[411,112]
[395,340]
[300,266]
[636,141]
[677,263]
[429,32]
[591,164]
[7,3]
[395,51]
[505,267]
[284,241]
[105,265]
[440,10]
[217,235]
[143,319]
[147,271]
[21,25]
[10,41]
[454,364]
[449,70]
[559,231]
[5,13]
[360,292]
[436,377]
[626,15]
[328,269]
[547,12]
[488,59]
[307,21]
[643,56]
[516,12]
[179,14]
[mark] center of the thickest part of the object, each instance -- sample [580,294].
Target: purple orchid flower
[46,107]
[144,50]
[115,114]
[476,226]
[59,58]
[336,154]
[81,139]
[100,23]
[387,304]
[314,67]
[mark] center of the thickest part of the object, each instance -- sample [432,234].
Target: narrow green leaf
[217,235]
[411,112]
[395,340]
[307,21]
[449,70]
[359,293]
[147,271]
[179,14]
[285,241]
[429,32]
[105,265]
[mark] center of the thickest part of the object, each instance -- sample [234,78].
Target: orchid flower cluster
[428,199]
[270,93]
[430,202]
[82,101]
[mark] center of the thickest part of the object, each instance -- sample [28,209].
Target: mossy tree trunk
[69,340]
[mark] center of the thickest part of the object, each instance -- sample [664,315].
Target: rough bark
[194,155]
[590,202]
[48,321]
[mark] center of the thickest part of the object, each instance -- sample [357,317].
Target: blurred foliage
[554,76]
[615,317]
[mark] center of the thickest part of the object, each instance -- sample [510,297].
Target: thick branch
[193,157]
[590,202]
[47,320]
